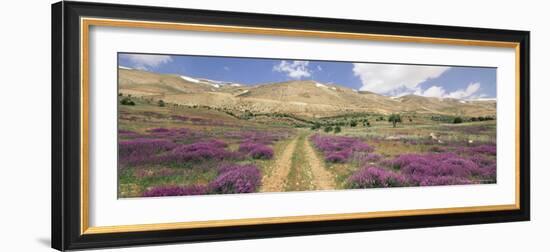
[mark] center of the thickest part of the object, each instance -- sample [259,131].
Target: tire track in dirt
[323,179]
[276,181]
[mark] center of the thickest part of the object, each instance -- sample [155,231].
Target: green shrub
[127,101]
[316,126]
[366,123]
[457,120]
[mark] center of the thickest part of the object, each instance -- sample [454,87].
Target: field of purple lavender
[167,149]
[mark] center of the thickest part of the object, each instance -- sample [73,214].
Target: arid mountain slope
[305,98]
[448,105]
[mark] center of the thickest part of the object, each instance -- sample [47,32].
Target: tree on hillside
[457,120]
[127,101]
[394,119]
[353,123]
[161,103]
[328,129]
[316,126]
[337,129]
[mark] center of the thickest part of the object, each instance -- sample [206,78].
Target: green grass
[132,185]
[146,115]
[300,177]
[387,140]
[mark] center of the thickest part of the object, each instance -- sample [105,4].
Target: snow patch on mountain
[190,79]
[483,99]
[213,83]
[319,85]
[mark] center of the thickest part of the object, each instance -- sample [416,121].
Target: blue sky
[387,79]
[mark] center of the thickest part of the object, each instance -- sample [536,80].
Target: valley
[180,135]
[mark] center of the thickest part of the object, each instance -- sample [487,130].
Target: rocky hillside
[305,98]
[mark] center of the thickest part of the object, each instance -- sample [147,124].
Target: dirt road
[275,182]
[298,168]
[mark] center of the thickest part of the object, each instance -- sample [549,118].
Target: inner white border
[107,210]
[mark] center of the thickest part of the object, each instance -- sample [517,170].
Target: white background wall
[25,125]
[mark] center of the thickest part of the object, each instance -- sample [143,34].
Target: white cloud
[144,61]
[389,78]
[437,91]
[319,68]
[296,69]
[226,68]
[465,93]
[433,91]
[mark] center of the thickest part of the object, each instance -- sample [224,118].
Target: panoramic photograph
[200,125]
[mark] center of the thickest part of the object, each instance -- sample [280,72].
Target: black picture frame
[66,124]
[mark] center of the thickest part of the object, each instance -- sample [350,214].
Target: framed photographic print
[180,125]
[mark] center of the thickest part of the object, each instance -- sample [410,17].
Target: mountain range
[301,97]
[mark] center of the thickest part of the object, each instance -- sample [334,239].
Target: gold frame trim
[85,24]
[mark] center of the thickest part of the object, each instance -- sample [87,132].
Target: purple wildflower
[436,168]
[196,152]
[262,152]
[177,133]
[180,118]
[374,177]
[159,130]
[237,179]
[256,150]
[140,151]
[337,157]
[338,149]
[248,147]
[485,149]
[373,157]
